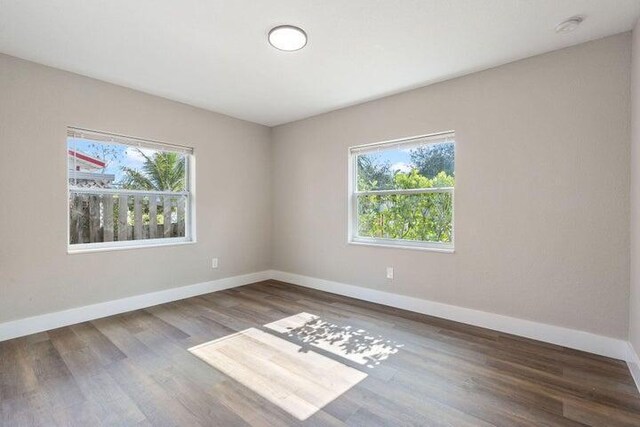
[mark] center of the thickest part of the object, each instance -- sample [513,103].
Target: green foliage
[434,158]
[373,176]
[411,180]
[425,217]
[161,172]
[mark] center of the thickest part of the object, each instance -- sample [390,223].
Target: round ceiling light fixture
[569,25]
[287,38]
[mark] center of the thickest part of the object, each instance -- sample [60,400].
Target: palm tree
[161,171]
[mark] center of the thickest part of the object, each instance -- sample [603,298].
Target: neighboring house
[87,171]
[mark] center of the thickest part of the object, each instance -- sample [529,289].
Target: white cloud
[402,167]
[133,154]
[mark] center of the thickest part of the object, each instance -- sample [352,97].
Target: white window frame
[190,214]
[352,236]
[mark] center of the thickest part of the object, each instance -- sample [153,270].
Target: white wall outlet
[214,262]
[390,273]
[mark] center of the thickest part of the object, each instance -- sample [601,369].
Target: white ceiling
[214,53]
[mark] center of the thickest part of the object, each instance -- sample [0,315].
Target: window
[126,192]
[401,193]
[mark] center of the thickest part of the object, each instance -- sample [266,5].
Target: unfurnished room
[320,213]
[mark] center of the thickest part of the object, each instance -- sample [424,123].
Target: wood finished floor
[393,368]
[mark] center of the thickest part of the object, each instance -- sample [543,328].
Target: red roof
[87,158]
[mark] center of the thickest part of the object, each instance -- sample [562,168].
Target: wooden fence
[107,215]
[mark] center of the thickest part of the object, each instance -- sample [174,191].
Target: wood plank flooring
[273,354]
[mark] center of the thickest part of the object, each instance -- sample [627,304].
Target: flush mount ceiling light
[569,25]
[287,38]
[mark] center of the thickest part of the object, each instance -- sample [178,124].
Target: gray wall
[634,300]
[542,195]
[37,276]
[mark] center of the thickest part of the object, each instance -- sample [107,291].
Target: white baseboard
[44,322]
[633,361]
[572,338]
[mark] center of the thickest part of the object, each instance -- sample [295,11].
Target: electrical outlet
[214,263]
[390,273]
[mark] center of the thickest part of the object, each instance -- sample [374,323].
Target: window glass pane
[97,218]
[111,165]
[120,192]
[423,217]
[398,167]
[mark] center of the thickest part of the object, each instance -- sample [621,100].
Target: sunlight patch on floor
[356,345]
[300,382]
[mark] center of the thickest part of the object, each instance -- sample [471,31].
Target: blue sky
[398,159]
[125,155]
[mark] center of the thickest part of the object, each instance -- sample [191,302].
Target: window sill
[89,248]
[401,246]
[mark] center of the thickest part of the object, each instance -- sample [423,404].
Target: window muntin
[126,192]
[402,193]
